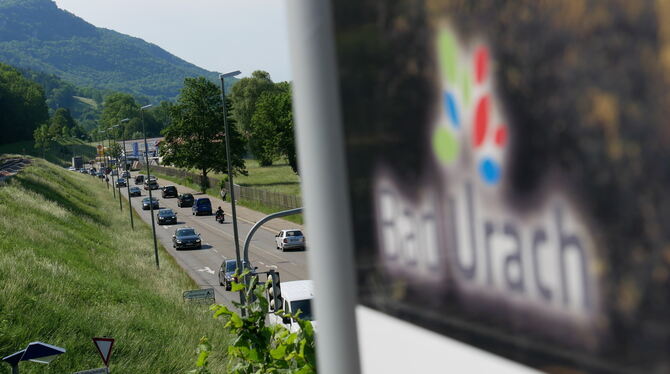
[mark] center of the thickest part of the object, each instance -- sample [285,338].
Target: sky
[217,35]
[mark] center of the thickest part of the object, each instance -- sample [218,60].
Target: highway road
[218,244]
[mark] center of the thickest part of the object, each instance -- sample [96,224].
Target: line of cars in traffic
[295,294]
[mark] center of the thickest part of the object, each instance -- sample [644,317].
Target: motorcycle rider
[219,213]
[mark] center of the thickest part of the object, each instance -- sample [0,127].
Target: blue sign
[136,149]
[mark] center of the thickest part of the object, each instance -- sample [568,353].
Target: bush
[259,348]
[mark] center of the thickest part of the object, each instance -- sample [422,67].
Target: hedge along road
[218,242]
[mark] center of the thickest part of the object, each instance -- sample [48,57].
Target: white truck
[294,296]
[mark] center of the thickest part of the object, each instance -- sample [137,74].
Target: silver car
[290,239]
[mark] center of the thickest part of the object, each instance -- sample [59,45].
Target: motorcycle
[220,217]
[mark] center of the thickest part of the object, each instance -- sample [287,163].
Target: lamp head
[231,74]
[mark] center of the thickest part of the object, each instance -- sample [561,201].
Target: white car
[290,239]
[295,295]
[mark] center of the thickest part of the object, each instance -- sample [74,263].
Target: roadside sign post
[104,346]
[206,294]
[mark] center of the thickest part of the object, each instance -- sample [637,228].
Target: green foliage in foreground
[71,269]
[257,347]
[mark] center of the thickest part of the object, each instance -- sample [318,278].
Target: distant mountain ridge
[36,34]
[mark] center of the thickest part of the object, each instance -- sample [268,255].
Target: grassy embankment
[277,178]
[72,269]
[60,153]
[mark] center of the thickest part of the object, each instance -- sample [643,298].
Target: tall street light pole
[109,160]
[104,155]
[151,201]
[118,175]
[230,176]
[125,166]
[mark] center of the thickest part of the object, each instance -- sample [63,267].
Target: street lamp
[125,166]
[36,352]
[108,159]
[104,155]
[230,175]
[151,202]
[118,175]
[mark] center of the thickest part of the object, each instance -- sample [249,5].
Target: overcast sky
[217,35]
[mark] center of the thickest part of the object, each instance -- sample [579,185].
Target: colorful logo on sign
[459,228]
[470,116]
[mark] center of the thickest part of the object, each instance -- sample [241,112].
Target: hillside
[36,34]
[72,269]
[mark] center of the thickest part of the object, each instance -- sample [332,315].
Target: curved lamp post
[36,352]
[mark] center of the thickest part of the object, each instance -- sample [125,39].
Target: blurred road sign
[104,346]
[206,294]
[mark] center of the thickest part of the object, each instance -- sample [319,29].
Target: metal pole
[125,165]
[320,142]
[231,186]
[151,203]
[109,158]
[15,368]
[118,175]
[260,223]
[104,157]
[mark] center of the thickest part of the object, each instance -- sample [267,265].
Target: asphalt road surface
[217,244]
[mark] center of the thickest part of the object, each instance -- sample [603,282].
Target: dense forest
[37,35]
[22,106]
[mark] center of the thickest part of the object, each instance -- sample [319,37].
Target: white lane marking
[207,270]
[271,266]
[214,249]
[164,227]
[260,262]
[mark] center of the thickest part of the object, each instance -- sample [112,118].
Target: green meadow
[72,269]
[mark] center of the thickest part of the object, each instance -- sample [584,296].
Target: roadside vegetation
[59,151]
[72,269]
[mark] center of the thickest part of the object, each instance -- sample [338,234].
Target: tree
[22,106]
[118,106]
[60,123]
[196,137]
[244,96]
[42,138]
[272,124]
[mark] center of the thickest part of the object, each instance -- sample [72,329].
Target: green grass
[278,178]
[60,153]
[71,269]
[188,182]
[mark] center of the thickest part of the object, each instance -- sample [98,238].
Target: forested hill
[36,34]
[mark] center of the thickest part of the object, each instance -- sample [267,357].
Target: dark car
[100,175]
[151,184]
[139,179]
[135,191]
[170,191]
[185,200]
[146,203]
[202,206]
[186,237]
[120,183]
[166,216]
[227,272]
[126,174]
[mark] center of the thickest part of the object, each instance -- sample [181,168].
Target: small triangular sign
[104,346]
